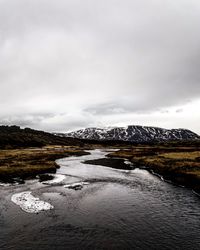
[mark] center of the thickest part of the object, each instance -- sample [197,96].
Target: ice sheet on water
[29,203]
[57,178]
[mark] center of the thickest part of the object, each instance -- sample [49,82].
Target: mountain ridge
[132,133]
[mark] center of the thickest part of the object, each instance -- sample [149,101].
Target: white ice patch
[4,184]
[29,203]
[57,179]
[76,185]
[141,171]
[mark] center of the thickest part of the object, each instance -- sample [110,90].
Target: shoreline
[21,164]
[112,163]
[179,168]
[106,162]
[196,192]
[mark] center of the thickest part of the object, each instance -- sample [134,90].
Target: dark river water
[116,210]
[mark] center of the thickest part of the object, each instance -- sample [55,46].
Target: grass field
[26,163]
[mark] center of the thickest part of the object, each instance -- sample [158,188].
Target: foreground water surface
[113,210]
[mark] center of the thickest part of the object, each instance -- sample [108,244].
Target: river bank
[180,165]
[27,163]
[112,163]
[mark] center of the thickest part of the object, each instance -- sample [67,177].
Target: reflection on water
[116,210]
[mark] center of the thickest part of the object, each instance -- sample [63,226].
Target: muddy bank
[112,163]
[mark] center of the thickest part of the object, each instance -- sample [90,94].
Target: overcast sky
[70,64]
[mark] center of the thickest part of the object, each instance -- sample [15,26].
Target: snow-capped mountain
[133,134]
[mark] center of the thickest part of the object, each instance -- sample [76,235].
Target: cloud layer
[68,64]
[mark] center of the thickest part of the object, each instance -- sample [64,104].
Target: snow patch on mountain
[133,133]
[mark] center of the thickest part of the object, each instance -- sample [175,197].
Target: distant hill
[134,134]
[15,137]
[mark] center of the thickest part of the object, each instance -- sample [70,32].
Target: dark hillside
[15,137]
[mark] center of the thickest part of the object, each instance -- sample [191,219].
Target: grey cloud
[179,110]
[106,109]
[96,58]
[25,120]
[120,106]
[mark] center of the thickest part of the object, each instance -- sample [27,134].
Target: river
[111,209]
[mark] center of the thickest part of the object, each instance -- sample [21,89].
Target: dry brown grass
[182,155]
[180,164]
[32,161]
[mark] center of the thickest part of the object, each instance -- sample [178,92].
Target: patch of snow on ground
[4,184]
[127,162]
[29,203]
[57,179]
[141,171]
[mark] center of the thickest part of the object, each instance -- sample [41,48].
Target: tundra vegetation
[175,162]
